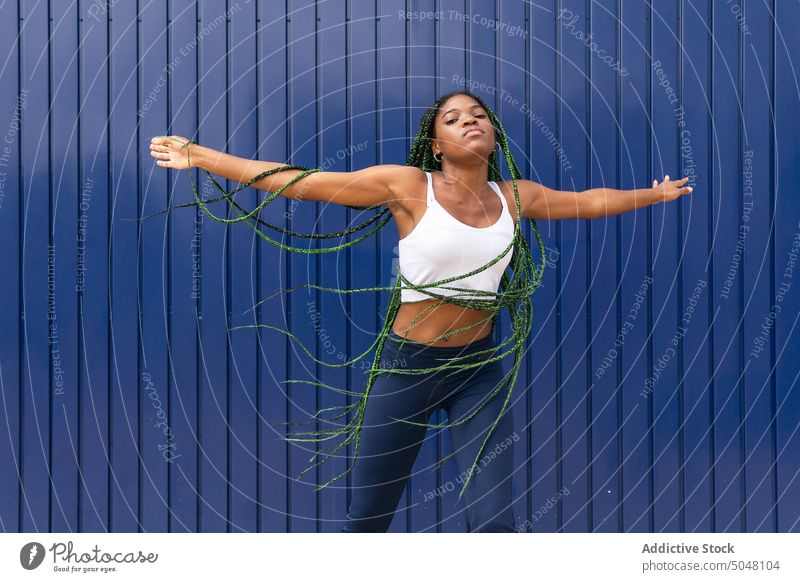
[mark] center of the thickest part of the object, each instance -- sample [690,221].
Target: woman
[459,229]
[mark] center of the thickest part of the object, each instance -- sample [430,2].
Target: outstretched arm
[541,202]
[366,187]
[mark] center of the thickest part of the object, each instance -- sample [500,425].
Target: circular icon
[31,555]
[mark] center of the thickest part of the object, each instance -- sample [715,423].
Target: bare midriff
[439,320]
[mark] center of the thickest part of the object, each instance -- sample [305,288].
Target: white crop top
[441,247]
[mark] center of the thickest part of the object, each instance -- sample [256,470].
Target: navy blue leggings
[388,448]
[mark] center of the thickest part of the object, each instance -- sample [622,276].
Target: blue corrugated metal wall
[659,391]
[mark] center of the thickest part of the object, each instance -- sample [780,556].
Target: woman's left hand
[670,190]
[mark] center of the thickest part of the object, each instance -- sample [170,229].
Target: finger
[683,180]
[666,178]
[655,183]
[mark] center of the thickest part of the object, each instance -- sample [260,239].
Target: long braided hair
[514,294]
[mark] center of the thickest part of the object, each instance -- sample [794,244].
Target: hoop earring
[440,158]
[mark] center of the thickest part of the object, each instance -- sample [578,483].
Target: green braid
[514,293]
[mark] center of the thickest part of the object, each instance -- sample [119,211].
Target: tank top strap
[497,191]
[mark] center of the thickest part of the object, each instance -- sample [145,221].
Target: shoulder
[527,193]
[530,193]
[525,187]
[401,175]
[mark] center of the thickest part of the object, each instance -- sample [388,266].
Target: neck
[470,178]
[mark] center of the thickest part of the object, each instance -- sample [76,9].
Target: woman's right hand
[172,151]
